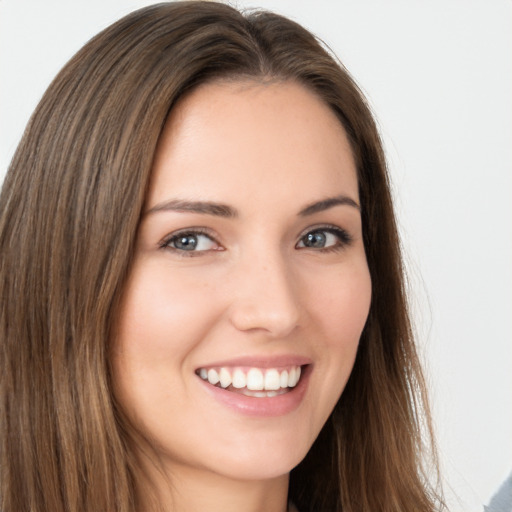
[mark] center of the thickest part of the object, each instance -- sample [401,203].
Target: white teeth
[239,379]
[293,377]
[271,382]
[213,376]
[255,379]
[283,379]
[225,378]
[257,394]
[263,394]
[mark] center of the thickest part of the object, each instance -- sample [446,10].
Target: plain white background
[438,75]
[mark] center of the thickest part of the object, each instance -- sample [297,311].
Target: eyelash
[174,237]
[344,240]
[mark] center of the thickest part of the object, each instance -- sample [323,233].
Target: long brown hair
[70,207]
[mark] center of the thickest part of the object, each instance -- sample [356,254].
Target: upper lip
[259,361]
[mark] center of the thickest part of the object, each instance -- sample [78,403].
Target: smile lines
[271,381]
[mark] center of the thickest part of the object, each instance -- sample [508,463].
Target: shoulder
[502,500]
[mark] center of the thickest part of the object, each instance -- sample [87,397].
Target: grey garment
[502,500]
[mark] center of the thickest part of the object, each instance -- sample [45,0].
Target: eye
[190,242]
[324,238]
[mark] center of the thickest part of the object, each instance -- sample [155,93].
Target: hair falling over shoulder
[69,211]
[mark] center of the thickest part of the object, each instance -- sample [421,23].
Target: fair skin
[266,276]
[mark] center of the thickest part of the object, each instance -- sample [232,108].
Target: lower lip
[264,406]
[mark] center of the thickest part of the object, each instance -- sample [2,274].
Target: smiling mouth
[255,382]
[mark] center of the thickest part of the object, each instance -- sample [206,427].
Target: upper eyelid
[188,231]
[201,230]
[344,236]
[324,227]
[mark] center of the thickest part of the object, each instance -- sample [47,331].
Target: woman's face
[249,266]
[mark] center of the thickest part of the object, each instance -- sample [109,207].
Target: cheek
[338,308]
[161,322]
[163,317]
[340,302]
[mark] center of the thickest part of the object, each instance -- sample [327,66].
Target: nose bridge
[264,295]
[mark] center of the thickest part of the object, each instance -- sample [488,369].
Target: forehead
[234,138]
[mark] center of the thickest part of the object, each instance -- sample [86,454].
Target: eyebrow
[325,204]
[204,207]
[223,210]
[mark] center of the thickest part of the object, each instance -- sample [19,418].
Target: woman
[203,300]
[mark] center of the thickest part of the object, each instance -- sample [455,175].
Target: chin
[262,458]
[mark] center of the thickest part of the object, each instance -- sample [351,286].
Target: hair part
[70,208]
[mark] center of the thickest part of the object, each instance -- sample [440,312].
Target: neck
[189,490]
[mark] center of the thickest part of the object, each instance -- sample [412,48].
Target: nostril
[265,297]
[278,322]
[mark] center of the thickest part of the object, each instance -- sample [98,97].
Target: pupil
[187,242]
[316,239]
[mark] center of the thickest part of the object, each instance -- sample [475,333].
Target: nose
[265,297]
